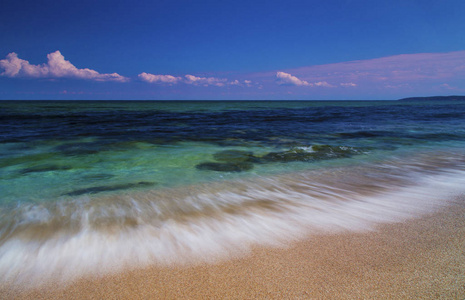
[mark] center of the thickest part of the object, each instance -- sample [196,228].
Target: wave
[84,235]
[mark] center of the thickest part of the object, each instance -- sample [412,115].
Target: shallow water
[94,187]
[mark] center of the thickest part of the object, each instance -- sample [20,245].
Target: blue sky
[231,49]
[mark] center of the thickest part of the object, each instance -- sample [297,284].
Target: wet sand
[421,258]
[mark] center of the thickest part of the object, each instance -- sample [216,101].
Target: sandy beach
[422,258]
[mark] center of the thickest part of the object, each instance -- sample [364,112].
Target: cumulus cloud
[56,67]
[322,83]
[348,84]
[247,83]
[147,77]
[205,81]
[189,79]
[288,79]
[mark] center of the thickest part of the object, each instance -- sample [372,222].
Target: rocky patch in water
[239,161]
[310,154]
[45,168]
[225,166]
[109,188]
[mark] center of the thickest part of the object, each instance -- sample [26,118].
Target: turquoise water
[68,147]
[94,187]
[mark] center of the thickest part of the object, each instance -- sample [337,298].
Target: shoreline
[420,258]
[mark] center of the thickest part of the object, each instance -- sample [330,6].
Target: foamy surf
[71,238]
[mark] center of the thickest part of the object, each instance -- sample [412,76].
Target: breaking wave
[84,235]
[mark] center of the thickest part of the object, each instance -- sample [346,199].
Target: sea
[88,188]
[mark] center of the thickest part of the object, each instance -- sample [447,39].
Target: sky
[228,50]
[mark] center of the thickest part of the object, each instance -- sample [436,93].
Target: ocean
[94,187]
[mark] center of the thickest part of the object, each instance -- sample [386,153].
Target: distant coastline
[435,98]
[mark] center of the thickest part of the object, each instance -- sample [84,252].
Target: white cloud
[159,78]
[322,83]
[14,66]
[348,84]
[56,67]
[205,81]
[288,79]
[247,83]
[419,68]
[189,79]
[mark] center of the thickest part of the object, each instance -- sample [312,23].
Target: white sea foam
[210,222]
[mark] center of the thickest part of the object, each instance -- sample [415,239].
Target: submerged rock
[45,168]
[225,166]
[314,153]
[335,151]
[235,156]
[26,159]
[289,156]
[239,161]
[109,188]
[100,176]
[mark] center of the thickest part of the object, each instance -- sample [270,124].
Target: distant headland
[435,98]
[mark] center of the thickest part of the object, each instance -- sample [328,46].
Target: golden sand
[419,259]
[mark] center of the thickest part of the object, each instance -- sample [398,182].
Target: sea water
[91,187]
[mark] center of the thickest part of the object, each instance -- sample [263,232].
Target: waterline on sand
[97,235]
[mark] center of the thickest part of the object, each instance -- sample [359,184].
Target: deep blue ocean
[91,187]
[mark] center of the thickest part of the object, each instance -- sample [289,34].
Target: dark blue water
[219,122]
